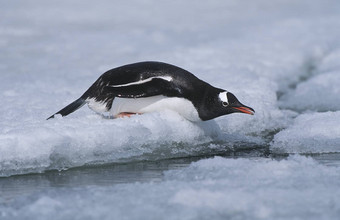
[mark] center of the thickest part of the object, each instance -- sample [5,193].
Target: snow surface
[279,57]
[313,132]
[70,142]
[52,52]
[216,188]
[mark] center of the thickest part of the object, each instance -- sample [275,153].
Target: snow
[69,142]
[280,58]
[318,91]
[310,133]
[216,188]
[52,53]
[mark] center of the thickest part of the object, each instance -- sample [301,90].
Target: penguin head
[218,102]
[230,104]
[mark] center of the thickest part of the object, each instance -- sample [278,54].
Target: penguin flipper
[70,108]
[154,86]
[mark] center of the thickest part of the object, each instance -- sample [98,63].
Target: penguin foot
[126,114]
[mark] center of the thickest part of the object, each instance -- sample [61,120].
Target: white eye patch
[223,97]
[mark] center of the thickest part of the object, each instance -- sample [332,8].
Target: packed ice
[310,133]
[282,67]
[280,58]
[216,188]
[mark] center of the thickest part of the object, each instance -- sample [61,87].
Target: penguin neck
[208,104]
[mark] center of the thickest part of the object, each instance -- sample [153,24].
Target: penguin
[155,86]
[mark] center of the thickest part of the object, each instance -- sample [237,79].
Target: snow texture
[279,57]
[53,51]
[217,188]
[313,132]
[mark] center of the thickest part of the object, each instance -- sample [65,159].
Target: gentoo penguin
[154,86]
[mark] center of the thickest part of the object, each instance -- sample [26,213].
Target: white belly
[155,103]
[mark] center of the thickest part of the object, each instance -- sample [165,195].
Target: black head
[223,103]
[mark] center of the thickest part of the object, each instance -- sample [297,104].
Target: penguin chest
[155,104]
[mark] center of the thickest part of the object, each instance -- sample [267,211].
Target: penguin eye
[225,104]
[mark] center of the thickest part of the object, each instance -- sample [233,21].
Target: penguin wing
[152,86]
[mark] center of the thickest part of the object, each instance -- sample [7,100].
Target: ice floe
[218,188]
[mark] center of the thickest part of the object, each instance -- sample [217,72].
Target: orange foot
[126,114]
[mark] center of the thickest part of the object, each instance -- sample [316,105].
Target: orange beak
[246,110]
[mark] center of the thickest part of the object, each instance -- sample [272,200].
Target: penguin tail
[70,108]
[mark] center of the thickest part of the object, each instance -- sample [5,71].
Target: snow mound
[69,142]
[320,93]
[217,188]
[310,133]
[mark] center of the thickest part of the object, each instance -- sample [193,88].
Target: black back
[184,83]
